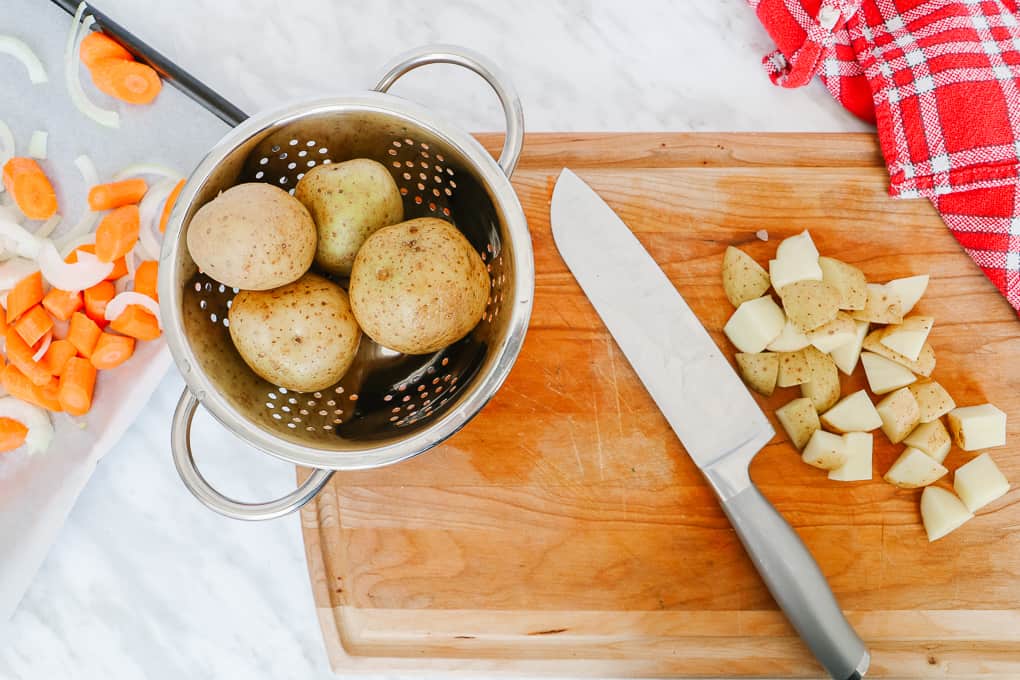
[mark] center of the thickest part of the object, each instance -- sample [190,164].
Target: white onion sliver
[48,227]
[71,76]
[146,169]
[23,53]
[88,219]
[85,273]
[86,240]
[120,302]
[6,144]
[47,339]
[129,262]
[3,298]
[147,212]
[40,429]
[25,243]
[37,144]
[61,329]
[14,270]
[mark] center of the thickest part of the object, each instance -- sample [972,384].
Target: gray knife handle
[797,584]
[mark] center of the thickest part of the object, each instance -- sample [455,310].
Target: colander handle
[180,445]
[460,56]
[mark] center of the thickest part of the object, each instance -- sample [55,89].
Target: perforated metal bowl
[389,406]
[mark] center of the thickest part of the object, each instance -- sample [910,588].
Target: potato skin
[348,201]
[301,336]
[253,236]
[418,286]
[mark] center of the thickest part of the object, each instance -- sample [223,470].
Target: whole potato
[348,201]
[418,286]
[253,236]
[301,336]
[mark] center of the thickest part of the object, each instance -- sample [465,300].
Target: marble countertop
[143,582]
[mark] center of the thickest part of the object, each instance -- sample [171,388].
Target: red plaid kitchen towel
[941,78]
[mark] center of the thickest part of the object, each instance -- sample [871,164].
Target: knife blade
[705,402]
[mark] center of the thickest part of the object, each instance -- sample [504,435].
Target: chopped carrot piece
[117,233]
[26,294]
[83,334]
[18,385]
[168,207]
[76,386]
[116,194]
[3,321]
[62,303]
[57,355]
[96,46]
[112,350]
[34,324]
[20,354]
[96,299]
[128,81]
[119,265]
[146,279]
[138,322]
[12,434]
[30,188]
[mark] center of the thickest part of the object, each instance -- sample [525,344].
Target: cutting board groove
[564,530]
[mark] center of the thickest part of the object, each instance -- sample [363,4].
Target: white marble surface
[145,583]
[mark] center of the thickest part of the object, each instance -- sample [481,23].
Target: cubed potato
[881,307]
[823,386]
[809,304]
[908,338]
[759,371]
[941,512]
[853,413]
[796,260]
[924,365]
[899,413]
[825,451]
[798,247]
[799,419]
[978,427]
[885,375]
[933,400]
[914,469]
[789,340]
[755,324]
[743,278]
[979,482]
[932,438]
[836,333]
[848,280]
[908,290]
[845,356]
[857,467]
[794,368]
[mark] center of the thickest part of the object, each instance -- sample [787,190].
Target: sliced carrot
[62,303]
[18,385]
[34,324]
[96,46]
[30,188]
[116,194]
[3,321]
[146,279]
[128,81]
[112,350]
[138,322]
[117,233]
[12,434]
[83,334]
[20,354]
[96,299]
[27,293]
[76,386]
[168,207]
[57,355]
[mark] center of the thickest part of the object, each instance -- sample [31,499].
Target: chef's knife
[706,404]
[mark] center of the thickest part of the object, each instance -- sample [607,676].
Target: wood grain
[565,531]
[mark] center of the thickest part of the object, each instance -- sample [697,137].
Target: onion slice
[120,302]
[45,345]
[71,76]
[48,226]
[23,53]
[14,270]
[40,429]
[6,145]
[23,241]
[85,273]
[147,211]
[37,144]
[88,219]
[146,169]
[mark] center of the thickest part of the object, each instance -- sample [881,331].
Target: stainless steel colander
[389,406]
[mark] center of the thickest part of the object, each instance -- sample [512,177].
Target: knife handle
[797,584]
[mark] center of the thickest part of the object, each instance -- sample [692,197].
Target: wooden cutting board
[565,531]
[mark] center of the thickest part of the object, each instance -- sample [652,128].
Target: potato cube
[924,365]
[857,467]
[796,260]
[941,512]
[899,413]
[913,469]
[933,400]
[853,413]
[789,340]
[743,278]
[881,307]
[759,371]
[979,482]
[755,324]
[799,419]
[978,427]
[931,438]
[825,451]
[794,368]
[845,356]
[885,375]
[908,338]
[809,304]
[823,386]
[848,280]
[836,333]
[909,290]
[797,247]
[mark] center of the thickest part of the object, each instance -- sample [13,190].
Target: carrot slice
[96,299]
[62,303]
[26,293]
[18,385]
[116,194]
[83,334]
[34,324]
[138,322]
[76,386]
[146,279]
[3,323]
[168,207]
[112,350]
[12,434]
[57,355]
[30,188]
[20,353]
[128,81]
[96,46]
[117,233]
